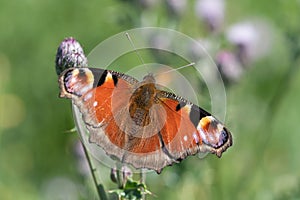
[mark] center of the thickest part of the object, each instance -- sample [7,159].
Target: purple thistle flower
[69,54]
[211,12]
[229,66]
[253,39]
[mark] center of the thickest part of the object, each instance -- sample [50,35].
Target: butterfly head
[149,78]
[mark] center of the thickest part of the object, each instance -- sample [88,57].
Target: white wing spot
[185,138]
[95,103]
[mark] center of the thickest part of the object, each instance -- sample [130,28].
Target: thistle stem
[99,187]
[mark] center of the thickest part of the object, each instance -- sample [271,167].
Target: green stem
[99,187]
[143,180]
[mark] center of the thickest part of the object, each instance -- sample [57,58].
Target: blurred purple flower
[229,66]
[211,12]
[69,54]
[82,163]
[176,7]
[253,40]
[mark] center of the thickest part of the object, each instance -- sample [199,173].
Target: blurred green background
[37,156]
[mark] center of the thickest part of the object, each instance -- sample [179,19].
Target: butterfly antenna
[171,70]
[134,48]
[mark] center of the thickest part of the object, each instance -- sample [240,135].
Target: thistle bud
[69,54]
[113,175]
[127,173]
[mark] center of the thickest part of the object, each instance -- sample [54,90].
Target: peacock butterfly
[137,122]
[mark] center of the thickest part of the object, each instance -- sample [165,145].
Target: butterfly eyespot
[213,133]
[78,81]
[68,80]
[223,137]
[220,138]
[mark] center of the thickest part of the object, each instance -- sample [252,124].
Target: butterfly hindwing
[190,129]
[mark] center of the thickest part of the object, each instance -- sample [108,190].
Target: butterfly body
[141,101]
[138,123]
